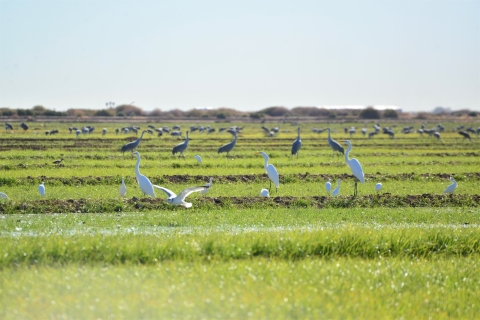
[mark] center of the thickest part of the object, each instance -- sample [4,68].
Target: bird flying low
[179,200]
[208,185]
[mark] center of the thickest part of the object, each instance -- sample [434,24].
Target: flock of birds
[148,188]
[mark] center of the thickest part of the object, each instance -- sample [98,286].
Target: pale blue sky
[246,55]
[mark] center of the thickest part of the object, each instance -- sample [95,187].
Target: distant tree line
[129,110]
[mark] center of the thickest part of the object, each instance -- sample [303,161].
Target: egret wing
[186,192]
[273,174]
[357,170]
[169,193]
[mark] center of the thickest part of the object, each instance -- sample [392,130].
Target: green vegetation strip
[352,242]
[284,178]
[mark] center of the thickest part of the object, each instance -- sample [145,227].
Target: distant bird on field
[41,188]
[198,158]
[145,185]
[132,145]
[272,173]
[264,193]
[328,185]
[58,161]
[104,131]
[336,191]
[179,200]
[378,187]
[181,147]
[3,196]
[123,189]
[355,167]
[437,135]
[24,126]
[451,188]
[8,126]
[208,185]
[297,144]
[229,146]
[77,133]
[334,144]
[465,135]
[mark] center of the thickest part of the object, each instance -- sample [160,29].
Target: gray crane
[132,145]
[24,126]
[437,135]
[334,144]
[8,126]
[229,146]
[297,144]
[389,132]
[465,135]
[181,147]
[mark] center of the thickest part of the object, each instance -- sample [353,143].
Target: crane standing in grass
[229,146]
[132,145]
[334,144]
[181,147]
[355,167]
[297,144]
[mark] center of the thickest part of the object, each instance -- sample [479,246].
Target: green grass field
[82,251]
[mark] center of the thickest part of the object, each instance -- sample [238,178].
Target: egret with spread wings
[179,200]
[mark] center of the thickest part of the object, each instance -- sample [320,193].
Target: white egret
[41,188]
[451,188]
[145,185]
[271,171]
[208,185]
[264,193]
[123,189]
[179,200]
[3,196]
[378,187]
[336,191]
[328,185]
[355,167]
[199,159]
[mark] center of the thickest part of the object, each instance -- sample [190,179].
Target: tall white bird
[328,185]
[41,188]
[378,187]
[336,191]
[271,171]
[451,188]
[199,159]
[3,196]
[179,200]
[145,185]
[123,189]
[264,193]
[208,185]
[355,167]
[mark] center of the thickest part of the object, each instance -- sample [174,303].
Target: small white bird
[264,193]
[41,188]
[179,200]
[451,187]
[123,189]
[328,186]
[208,185]
[199,159]
[3,196]
[337,189]
[378,187]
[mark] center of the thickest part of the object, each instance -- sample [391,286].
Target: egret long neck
[265,165]
[347,153]
[137,166]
